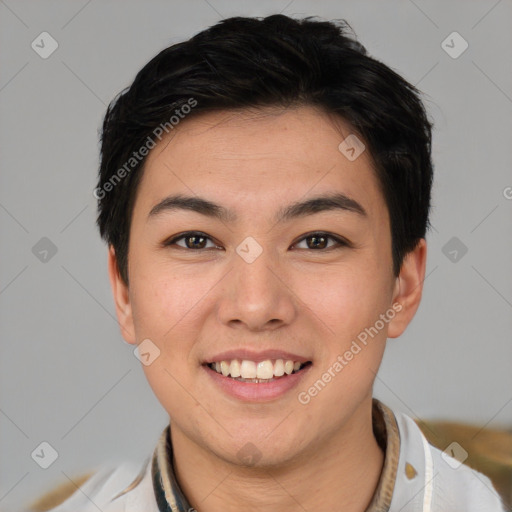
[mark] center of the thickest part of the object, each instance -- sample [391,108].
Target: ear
[121,299]
[408,289]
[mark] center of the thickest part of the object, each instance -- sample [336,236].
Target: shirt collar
[170,497]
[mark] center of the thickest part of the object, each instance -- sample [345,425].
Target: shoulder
[447,482]
[455,484]
[113,487]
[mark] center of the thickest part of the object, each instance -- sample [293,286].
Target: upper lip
[256,356]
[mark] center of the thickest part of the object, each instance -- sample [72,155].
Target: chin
[254,450]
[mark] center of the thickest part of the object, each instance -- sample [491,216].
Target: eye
[192,239]
[196,240]
[319,241]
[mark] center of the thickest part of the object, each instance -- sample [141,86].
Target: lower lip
[257,392]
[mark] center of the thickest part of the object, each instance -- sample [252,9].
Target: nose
[257,295]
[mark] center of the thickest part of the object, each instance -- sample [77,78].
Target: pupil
[317,238]
[196,237]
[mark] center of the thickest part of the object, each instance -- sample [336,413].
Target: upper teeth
[251,370]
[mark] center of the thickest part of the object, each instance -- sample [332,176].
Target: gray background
[66,375]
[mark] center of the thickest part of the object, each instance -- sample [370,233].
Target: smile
[257,372]
[262,380]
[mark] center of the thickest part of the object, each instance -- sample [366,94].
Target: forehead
[253,156]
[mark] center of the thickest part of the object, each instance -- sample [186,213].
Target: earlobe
[408,289]
[121,298]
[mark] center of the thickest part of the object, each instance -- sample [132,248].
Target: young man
[264,190]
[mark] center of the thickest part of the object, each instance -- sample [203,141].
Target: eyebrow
[329,202]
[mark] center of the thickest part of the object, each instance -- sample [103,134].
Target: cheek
[347,300]
[354,343]
[164,312]
[163,303]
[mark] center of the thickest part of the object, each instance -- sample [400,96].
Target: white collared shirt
[416,477]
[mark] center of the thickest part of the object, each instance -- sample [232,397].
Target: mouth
[252,376]
[257,372]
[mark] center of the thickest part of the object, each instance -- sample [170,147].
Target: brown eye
[195,240]
[319,241]
[192,240]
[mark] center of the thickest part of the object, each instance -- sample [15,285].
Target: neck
[340,473]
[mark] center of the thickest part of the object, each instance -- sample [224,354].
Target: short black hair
[276,61]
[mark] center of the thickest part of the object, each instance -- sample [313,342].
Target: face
[253,284]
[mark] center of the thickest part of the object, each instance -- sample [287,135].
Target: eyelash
[340,241]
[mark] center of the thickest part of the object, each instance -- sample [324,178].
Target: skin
[193,304]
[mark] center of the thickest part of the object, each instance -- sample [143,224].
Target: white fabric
[98,492]
[436,487]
